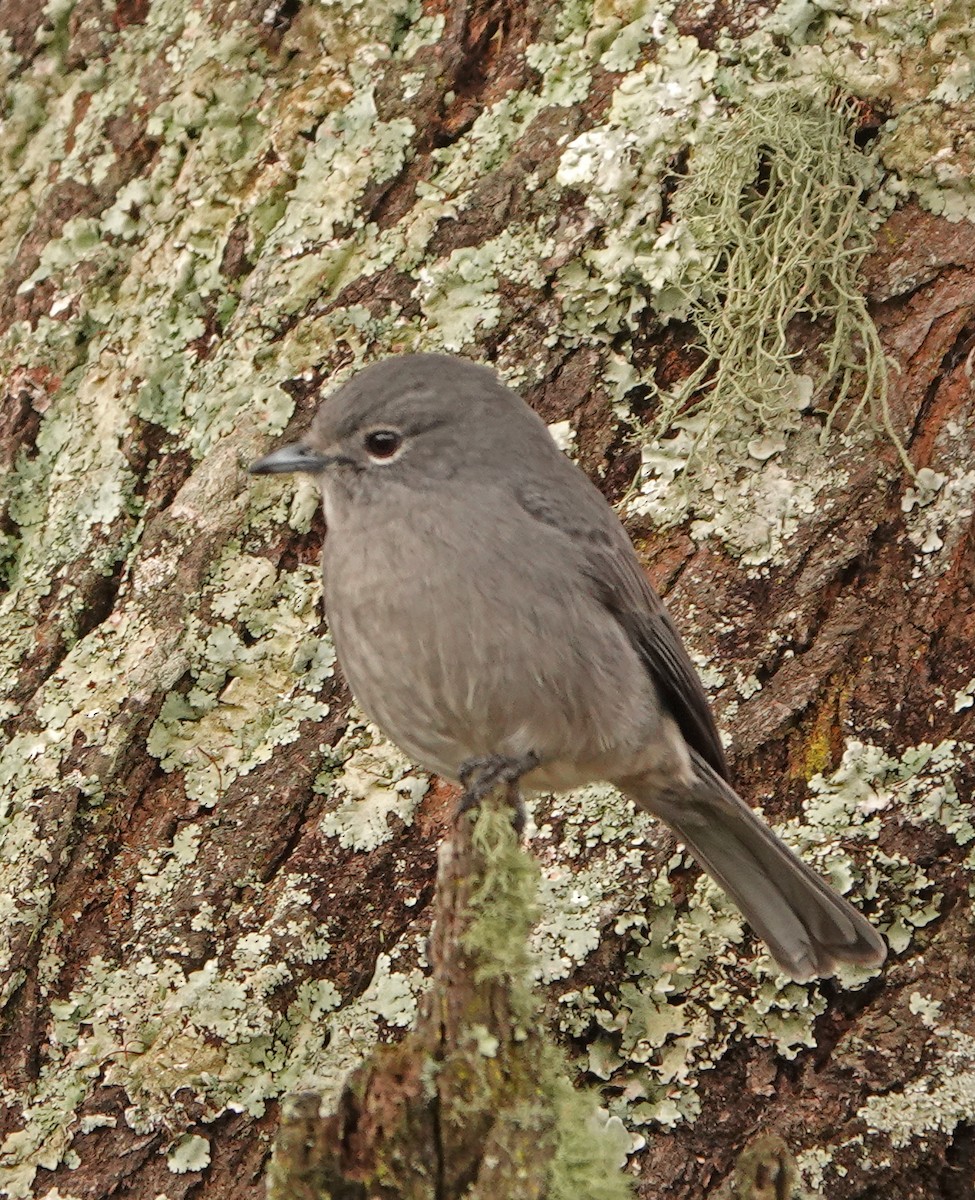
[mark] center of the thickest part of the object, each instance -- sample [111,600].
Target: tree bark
[216,878]
[474,1101]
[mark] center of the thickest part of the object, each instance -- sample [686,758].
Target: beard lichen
[773,207]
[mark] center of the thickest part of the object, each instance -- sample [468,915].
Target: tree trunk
[216,878]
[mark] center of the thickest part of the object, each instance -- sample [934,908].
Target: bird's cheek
[329,503]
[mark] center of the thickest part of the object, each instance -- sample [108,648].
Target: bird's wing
[614,570]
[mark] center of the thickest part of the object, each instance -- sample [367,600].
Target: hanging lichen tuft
[773,207]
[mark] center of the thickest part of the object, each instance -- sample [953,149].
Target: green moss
[504,902]
[590,1150]
[588,1147]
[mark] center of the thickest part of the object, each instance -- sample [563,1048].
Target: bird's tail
[808,928]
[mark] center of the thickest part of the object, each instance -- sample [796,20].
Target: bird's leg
[479,776]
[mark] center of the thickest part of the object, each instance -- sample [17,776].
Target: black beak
[295,457]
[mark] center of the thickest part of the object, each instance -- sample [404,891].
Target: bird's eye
[383,443]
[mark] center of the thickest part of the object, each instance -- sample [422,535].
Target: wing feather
[611,564]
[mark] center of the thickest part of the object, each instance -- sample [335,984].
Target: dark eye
[383,443]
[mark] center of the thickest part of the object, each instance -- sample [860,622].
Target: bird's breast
[466,638]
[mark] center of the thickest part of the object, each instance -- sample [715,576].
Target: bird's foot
[480,776]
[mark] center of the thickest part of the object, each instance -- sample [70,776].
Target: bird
[491,616]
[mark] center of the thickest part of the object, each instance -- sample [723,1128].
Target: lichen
[678,1010]
[938,511]
[921,782]
[247,696]
[185,138]
[771,209]
[187,1045]
[370,780]
[190,1153]
[935,1103]
[965,696]
[938,1103]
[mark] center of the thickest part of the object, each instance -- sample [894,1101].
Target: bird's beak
[296,457]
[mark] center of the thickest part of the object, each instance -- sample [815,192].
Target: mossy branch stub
[475,1103]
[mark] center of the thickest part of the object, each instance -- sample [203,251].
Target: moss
[494,1069]
[504,903]
[477,1088]
[590,1149]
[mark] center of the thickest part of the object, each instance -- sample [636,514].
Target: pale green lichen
[601,840]
[460,296]
[938,516]
[620,164]
[199,1042]
[927,1008]
[680,1010]
[755,512]
[932,1105]
[145,334]
[247,696]
[191,1153]
[374,782]
[936,1103]
[921,783]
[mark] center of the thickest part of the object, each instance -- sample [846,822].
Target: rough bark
[216,881]
[474,1101]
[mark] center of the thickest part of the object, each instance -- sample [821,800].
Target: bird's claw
[480,776]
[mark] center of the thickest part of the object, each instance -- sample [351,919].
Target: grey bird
[493,619]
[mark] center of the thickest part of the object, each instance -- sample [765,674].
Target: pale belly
[451,667]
